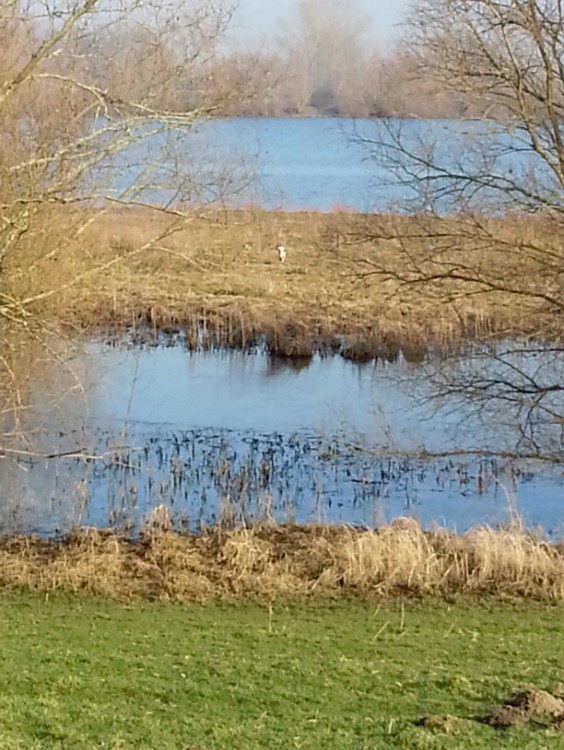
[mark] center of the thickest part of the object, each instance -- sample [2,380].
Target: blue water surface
[323,164]
[328,442]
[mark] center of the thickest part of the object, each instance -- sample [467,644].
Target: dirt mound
[530,706]
[537,706]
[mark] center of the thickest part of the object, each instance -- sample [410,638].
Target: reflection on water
[326,440]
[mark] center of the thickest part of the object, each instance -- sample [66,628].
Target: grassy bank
[344,274]
[273,562]
[86,673]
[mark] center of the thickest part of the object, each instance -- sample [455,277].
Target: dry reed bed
[289,561]
[221,271]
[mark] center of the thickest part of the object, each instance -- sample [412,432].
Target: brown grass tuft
[286,561]
[217,277]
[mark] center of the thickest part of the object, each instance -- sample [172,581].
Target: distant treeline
[323,59]
[275,85]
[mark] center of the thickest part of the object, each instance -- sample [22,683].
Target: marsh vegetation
[112,231]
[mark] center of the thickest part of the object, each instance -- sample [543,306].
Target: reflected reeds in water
[217,436]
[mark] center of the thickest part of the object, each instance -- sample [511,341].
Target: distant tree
[325,44]
[404,88]
[251,81]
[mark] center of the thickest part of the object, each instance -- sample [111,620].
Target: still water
[320,164]
[326,440]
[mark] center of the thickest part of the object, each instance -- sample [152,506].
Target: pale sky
[258,18]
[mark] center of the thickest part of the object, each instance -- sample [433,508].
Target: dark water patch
[414,351]
[358,350]
[291,341]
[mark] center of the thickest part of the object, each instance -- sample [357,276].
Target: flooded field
[221,436]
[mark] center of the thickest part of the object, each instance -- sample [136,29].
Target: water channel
[235,436]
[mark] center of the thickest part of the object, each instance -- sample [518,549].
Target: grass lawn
[80,672]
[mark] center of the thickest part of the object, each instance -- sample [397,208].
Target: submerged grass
[217,278]
[289,561]
[90,673]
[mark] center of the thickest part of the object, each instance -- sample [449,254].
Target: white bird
[281,253]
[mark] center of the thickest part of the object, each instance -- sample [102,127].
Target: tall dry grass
[344,274]
[289,561]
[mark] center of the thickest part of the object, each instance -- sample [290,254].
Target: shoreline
[219,273]
[267,561]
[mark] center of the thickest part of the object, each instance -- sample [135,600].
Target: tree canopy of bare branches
[97,104]
[487,224]
[89,111]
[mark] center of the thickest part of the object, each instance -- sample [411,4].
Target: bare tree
[325,45]
[485,238]
[98,102]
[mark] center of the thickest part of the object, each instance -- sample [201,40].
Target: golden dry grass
[289,561]
[345,274]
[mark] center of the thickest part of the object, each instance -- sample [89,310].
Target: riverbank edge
[216,280]
[289,561]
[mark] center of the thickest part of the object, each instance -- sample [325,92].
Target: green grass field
[79,672]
